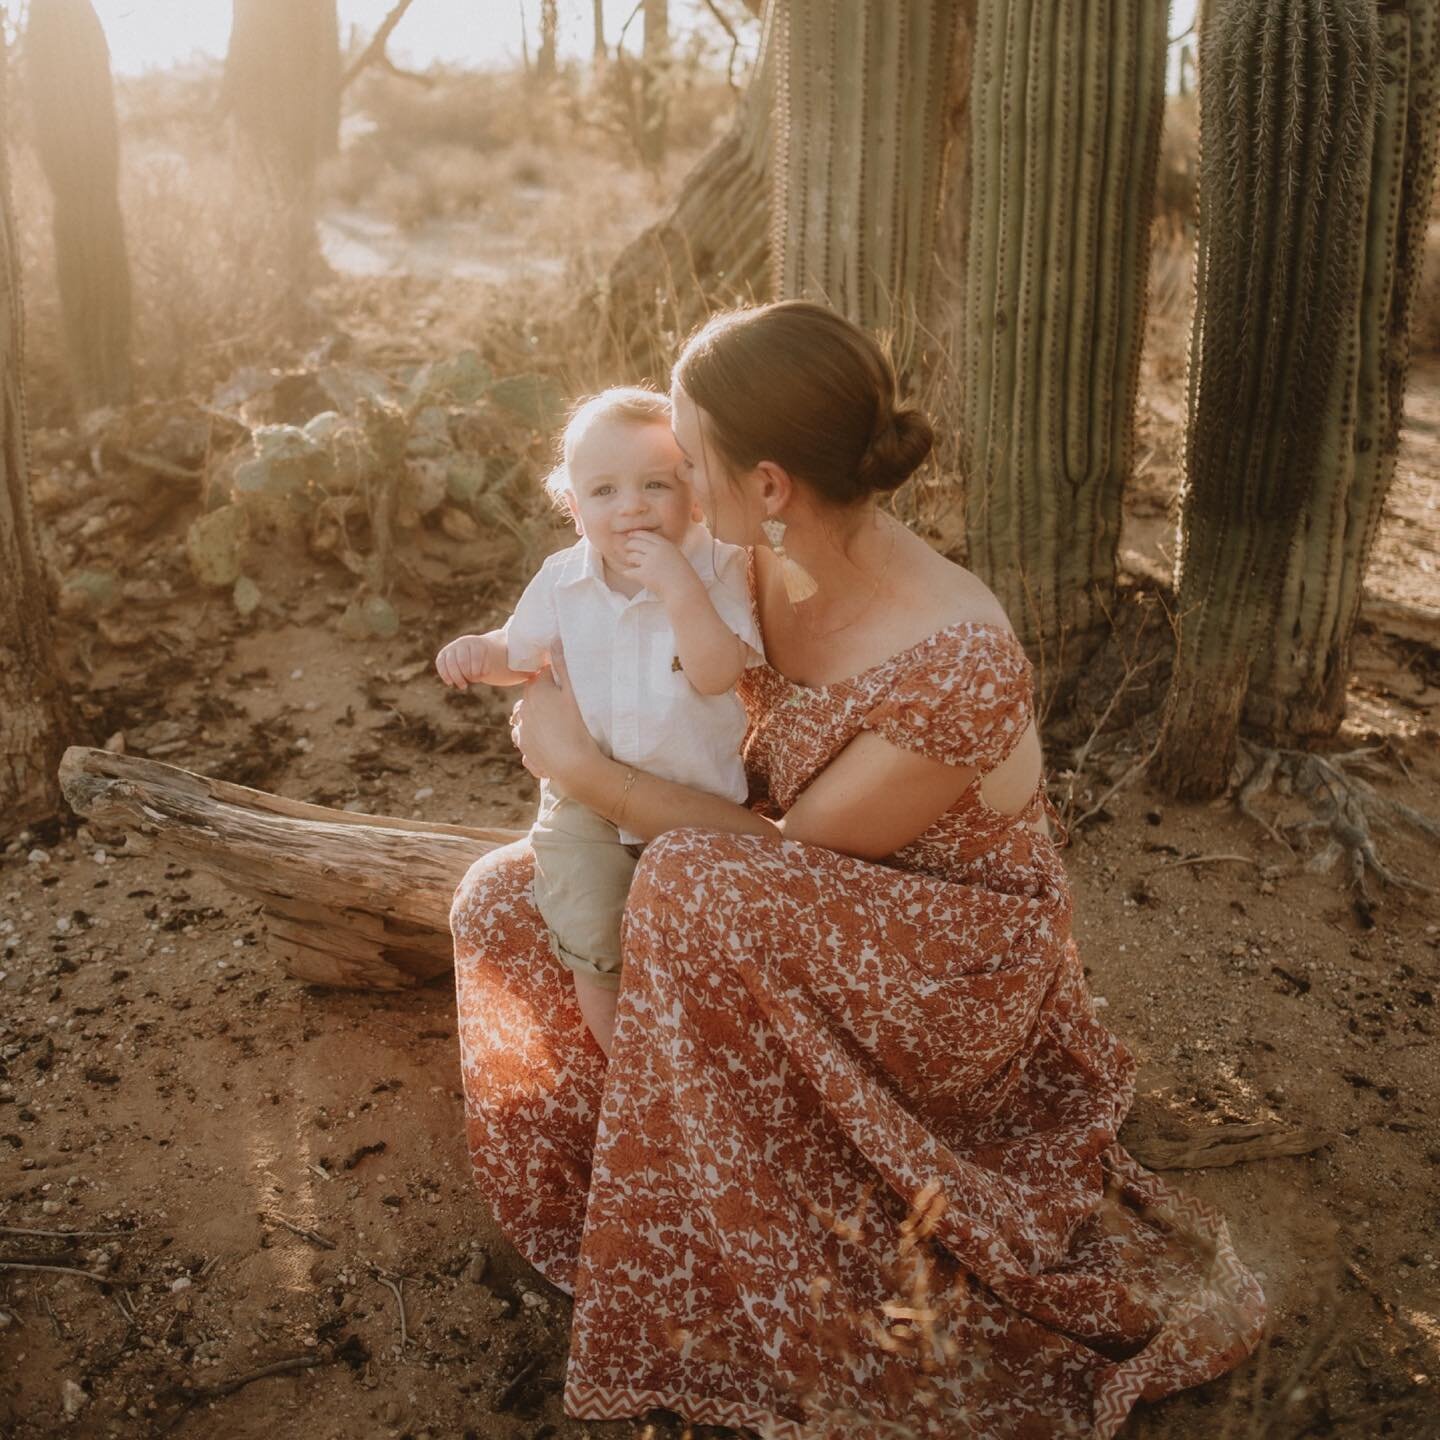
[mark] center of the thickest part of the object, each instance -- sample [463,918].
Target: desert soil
[280,1167]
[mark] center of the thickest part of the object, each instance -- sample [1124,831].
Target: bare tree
[655,81]
[73,101]
[545,64]
[35,714]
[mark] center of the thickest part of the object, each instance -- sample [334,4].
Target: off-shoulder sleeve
[966,700]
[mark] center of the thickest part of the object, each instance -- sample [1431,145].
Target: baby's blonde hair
[635,403]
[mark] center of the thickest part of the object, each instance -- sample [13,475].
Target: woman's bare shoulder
[945,593]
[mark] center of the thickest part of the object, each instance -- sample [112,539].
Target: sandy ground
[281,1170]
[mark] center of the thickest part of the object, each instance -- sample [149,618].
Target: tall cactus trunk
[73,99]
[1297,685]
[1066,110]
[35,714]
[282,85]
[711,249]
[860,142]
[655,82]
[1288,96]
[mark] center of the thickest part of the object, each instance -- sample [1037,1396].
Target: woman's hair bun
[897,449]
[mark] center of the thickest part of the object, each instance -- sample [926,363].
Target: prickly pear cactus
[1066,107]
[860,131]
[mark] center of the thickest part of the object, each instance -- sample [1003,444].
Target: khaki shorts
[582,879]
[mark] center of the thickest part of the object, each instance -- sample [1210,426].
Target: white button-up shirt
[621,657]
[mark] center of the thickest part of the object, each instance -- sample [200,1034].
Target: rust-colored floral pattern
[854,1162]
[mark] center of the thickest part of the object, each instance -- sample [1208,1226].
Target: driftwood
[360,901]
[1222,1145]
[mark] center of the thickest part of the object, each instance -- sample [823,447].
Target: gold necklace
[869,599]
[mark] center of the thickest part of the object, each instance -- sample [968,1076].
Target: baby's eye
[660,484]
[603,490]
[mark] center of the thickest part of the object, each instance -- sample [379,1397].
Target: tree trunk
[1288,97]
[601,53]
[655,82]
[73,99]
[35,715]
[711,249]
[282,85]
[351,900]
[1066,109]
[545,62]
[1297,684]
[860,146]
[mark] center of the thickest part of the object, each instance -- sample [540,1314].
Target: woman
[853,1162]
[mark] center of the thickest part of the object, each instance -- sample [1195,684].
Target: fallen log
[360,901]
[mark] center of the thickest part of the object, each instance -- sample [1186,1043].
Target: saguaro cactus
[35,715]
[1066,108]
[1288,95]
[1297,684]
[860,137]
[73,99]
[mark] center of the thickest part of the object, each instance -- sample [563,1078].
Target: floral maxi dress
[853,1163]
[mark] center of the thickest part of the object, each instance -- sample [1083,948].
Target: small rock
[530,1299]
[73,1398]
[424,792]
[6,1319]
[39,857]
[476,1270]
[50,1207]
[183,1282]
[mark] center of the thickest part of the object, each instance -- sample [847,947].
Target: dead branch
[374,52]
[1224,1145]
[229,1387]
[352,900]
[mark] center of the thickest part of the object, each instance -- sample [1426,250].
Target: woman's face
[730,502]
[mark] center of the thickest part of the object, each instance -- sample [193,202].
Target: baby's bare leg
[597,1005]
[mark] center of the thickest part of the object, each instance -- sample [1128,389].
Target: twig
[229,1387]
[1138,768]
[313,1236]
[375,50]
[729,29]
[1200,860]
[59,1234]
[513,1384]
[384,1279]
[64,1270]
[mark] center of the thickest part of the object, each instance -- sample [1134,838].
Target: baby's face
[625,475]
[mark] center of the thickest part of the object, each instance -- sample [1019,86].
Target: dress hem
[584,1401]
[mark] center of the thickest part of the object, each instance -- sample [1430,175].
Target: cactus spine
[859,132]
[1287,121]
[1066,107]
[1297,686]
[73,98]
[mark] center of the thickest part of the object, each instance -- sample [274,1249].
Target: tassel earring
[799,582]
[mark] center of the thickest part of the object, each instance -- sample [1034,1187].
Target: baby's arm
[478,660]
[712,655]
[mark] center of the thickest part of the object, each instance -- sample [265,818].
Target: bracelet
[624,796]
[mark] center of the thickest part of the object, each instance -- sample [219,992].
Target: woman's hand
[548,728]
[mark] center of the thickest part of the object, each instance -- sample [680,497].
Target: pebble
[530,1299]
[38,857]
[183,1283]
[297,673]
[73,1398]
[475,1270]
[50,1207]
[6,1319]
[424,792]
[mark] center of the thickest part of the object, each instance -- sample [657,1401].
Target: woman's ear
[776,487]
[574,510]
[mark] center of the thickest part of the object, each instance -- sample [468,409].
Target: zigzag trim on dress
[584,1401]
[1231,1285]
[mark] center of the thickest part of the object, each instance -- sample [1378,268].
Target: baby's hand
[467,661]
[658,563]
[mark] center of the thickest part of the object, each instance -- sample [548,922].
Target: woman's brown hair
[799,385]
